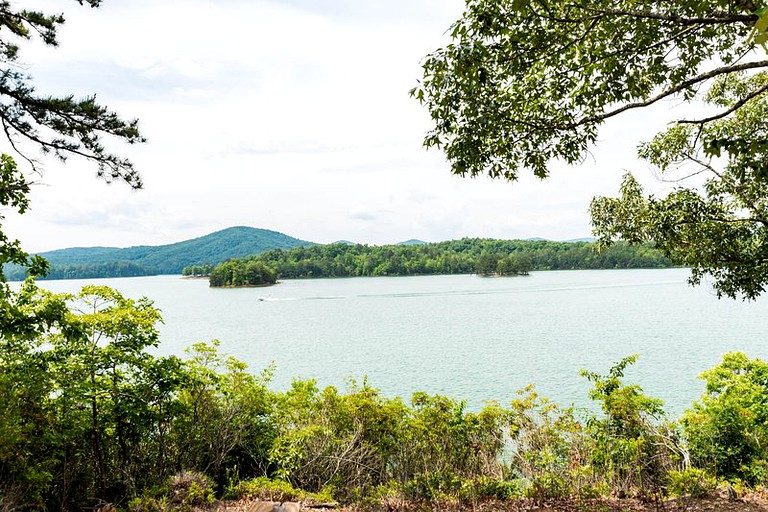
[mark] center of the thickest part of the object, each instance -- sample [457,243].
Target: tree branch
[714,19]
[734,108]
[669,92]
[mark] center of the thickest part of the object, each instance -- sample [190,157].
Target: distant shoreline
[248,285]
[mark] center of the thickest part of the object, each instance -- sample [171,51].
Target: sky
[290,115]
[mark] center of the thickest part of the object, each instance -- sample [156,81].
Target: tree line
[465,256]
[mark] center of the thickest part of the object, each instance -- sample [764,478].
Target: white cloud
[288,115]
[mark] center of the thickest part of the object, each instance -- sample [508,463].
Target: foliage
[551,449]
[90,414]
[523,84]
[224,419]
[626,451]
[184,492]
[728,428]
[444,439]
[203,270]
[692,482]
[14,188]
[355,443]
[242,272]
[266,489]
[503,257]
[328,439]
[509,265]
[722,228]
[634,450]
[84,400]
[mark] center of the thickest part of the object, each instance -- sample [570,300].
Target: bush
[184,491]
[727,430]
[692,482]
[484,488]
[328,438]
[550,448]
[437,486]
[263,488]
[634,447]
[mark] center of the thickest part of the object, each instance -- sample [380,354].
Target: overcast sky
[291,115]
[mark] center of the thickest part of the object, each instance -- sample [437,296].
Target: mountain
[588,239]
[144,260]
[412,241]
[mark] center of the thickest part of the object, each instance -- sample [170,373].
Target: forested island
[480,256]
[240,272]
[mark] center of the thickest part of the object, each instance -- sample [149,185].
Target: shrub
[727,430]
[549,447]
[329,438]
[692,482]
[634,447]
[184,491]
[263,488]
[484,487]
[437,486]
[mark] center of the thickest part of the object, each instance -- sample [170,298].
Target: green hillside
[87,262]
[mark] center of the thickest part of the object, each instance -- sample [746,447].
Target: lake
[465,336]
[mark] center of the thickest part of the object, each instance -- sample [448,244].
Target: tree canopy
[523,84]
[465,256]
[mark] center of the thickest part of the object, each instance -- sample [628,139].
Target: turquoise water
[465,336]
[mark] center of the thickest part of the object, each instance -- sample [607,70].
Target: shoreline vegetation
[484,257]
[90,413]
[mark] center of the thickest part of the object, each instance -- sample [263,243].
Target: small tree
[728,428]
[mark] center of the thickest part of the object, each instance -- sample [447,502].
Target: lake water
[465,336]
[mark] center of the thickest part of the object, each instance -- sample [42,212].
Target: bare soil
[748,503]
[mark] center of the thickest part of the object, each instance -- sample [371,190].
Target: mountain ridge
[145,260]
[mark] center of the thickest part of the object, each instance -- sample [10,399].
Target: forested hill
[465,256]
[87,262]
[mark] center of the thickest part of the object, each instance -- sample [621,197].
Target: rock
[288,506]
[263,506]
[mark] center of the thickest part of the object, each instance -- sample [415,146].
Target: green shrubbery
[89,414]
[183,492]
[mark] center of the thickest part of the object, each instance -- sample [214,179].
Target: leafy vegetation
[465,256]
[720,229]
[203,270]
[241,272]
[523,84]
[79,263]
[727,429]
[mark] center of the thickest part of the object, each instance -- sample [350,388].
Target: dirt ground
[749,503]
